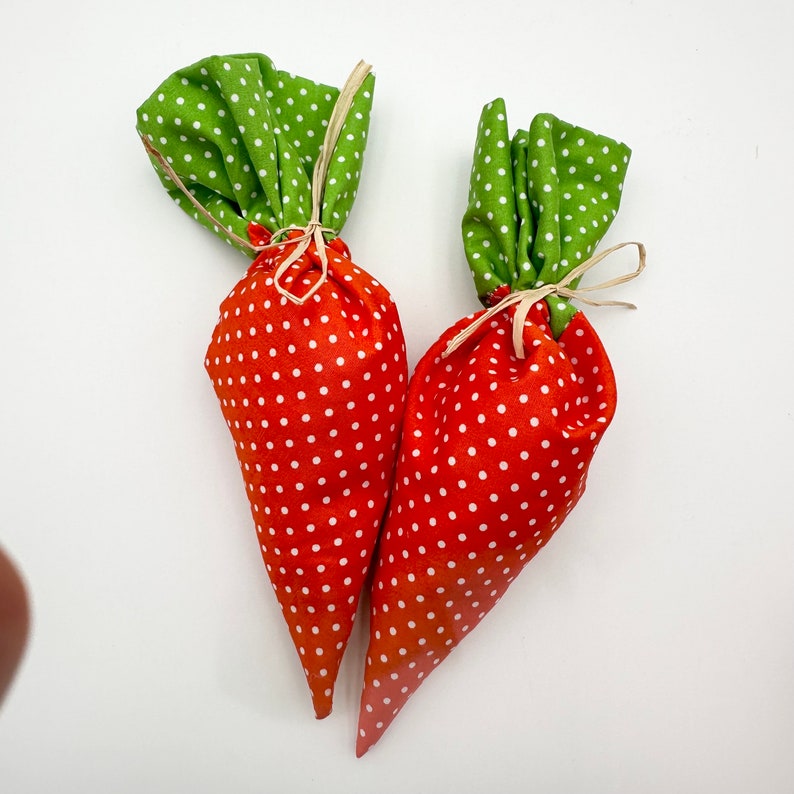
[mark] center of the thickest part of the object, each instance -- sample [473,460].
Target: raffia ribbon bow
[524,300]
[313,231]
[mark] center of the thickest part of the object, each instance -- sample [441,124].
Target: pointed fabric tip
[321,711]
[321,684]
[391,679]
[322,698]
[396,664]
[373,717]
[370,730]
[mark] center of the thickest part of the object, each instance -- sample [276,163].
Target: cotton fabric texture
[495,449]
[312,390]
[245,136]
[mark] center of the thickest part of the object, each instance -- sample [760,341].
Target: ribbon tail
[478,322]
[590,302]
[470,329]
[576,294]
[319,244]
[519,319]
[295,255]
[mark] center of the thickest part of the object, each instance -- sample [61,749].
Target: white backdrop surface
[649,648]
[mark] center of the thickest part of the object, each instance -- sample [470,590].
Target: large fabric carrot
[504,411]
[308,356]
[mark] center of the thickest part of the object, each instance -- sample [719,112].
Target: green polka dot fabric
[539,204]
[244,136]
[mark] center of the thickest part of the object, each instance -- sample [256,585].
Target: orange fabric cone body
[494,455]
[313,395]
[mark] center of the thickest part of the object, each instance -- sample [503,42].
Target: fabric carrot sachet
[308,356]
[505,410]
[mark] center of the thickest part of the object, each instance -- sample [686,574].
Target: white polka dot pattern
[493,456]
[244,138]
[313,396]
[539,203]
[495,450]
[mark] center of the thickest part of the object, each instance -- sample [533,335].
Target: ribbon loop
[524,300]
[313,231]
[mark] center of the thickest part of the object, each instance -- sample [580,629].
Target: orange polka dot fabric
[313,392]
[438,491]
[494,455]
[495,449]
[313,395]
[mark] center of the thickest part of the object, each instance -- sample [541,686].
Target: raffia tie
[313,231]
[524,300]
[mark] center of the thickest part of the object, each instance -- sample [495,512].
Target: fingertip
[14,621]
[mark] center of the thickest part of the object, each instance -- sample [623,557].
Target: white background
[649,649]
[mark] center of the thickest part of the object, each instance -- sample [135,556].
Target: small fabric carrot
[308,356]
[505,410]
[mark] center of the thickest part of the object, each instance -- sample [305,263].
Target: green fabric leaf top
[537,213]
[490,231]
[244,137]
